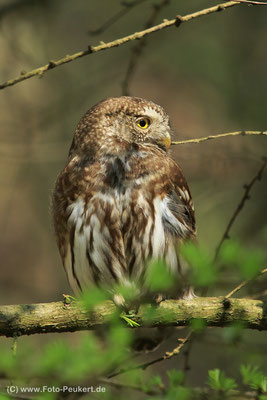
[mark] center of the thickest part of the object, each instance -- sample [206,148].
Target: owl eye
[143,122]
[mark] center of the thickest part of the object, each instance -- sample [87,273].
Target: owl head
[122,119]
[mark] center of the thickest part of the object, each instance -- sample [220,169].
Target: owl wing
[160,215]
[179,204]
[87,227]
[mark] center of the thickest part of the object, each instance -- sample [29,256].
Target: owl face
[128,119]
[150,124]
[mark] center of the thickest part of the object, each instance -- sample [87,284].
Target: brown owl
[121,199]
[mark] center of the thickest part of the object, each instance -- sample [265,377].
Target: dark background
[210,75]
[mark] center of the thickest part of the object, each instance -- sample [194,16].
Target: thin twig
[137,49]
[258,295]
[21,156]
[253,3]
[186,366]
[14,345]
[221,135]
[244,283]
[118,42]
[115,18]
[166,356]
[240,206]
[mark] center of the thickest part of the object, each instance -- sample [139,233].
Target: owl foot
[189,294]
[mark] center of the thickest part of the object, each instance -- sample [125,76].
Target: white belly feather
[82,269]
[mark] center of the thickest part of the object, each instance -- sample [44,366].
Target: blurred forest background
[210,75]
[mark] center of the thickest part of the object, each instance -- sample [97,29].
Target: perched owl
[121,199]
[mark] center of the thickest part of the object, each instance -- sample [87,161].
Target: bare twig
[221,135]
[115,18]
[186,366]
[244,283]
[118,42]
[240,206]
[177,349]
[137,49]
[166,356]
[259,295]
[253,3]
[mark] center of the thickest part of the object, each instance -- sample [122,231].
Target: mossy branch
[16,320]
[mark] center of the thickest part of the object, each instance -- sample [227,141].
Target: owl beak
[166,141]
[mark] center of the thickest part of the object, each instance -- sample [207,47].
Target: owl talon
[159,298]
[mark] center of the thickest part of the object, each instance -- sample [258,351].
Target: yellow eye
[143,122]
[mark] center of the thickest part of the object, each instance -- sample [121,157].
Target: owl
[121,200]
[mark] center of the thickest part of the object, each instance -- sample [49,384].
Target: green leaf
[7,361]
[129,292]
[233,333]
[78,366]
[154,381]
[46,396]
[179,393]
[119,339]
[249,262]
[198,325]
[218,381]
[203,271]
[159,276]
[93,297]
[176,377]
[129,321]
[120,336]
[55,355]
[214,379]
[252,263]
[230,252]
[4,397]
[150,312]
[254,378]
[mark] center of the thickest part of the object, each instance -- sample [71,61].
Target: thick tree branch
[18,320]
[119,42]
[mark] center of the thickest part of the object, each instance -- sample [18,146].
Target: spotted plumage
[121,199]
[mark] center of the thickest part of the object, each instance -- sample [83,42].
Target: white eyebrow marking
[150,112]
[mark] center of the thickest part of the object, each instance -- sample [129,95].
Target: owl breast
[119,225]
